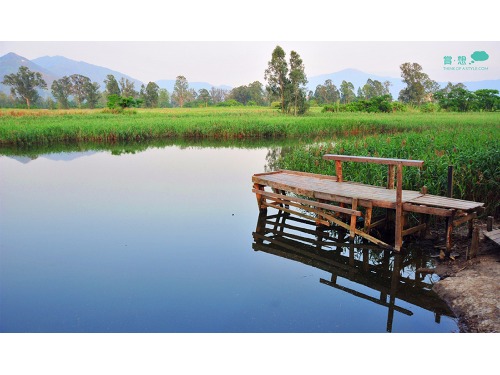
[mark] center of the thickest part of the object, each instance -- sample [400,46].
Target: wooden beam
[369,159]
[352,228]
[414,229]
[325,206]
[398,235]
[338,170]
[390,177]
[464,219]
[421,209]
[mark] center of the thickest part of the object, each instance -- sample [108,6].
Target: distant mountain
[169,84]
[11,62]
[62,66]
[359,78]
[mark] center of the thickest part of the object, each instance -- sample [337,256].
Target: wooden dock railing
[393,164]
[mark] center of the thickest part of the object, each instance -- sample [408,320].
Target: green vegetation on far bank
[48,127]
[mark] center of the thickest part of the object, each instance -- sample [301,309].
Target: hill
[62,66]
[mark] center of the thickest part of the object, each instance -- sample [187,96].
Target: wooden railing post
[390,177]
[398,240]
[338,170]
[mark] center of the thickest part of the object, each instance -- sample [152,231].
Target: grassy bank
[473,151]
[47,127]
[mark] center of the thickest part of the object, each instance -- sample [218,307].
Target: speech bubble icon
[480,56]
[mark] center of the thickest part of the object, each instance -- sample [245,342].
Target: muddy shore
[471,288]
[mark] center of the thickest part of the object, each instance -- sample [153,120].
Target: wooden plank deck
[333,190]
[494,236]
[318,187]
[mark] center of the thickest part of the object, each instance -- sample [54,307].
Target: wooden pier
[332,200]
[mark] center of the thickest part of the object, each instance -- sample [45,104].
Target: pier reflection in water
[394,276]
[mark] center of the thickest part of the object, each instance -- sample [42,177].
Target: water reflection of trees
[394,276]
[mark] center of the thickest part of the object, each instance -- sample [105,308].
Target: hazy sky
[241,62]
[230,42]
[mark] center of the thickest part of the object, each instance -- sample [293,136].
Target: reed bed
[473,151]
[48,127]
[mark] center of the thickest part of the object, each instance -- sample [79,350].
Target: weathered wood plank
[426,210]
[414,229]
[464,219]
[325,206]
[369,159]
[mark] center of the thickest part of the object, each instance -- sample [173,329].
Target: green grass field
[44,126]
[468,141]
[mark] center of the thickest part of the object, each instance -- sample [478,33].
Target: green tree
[92,93]
[373,88]
[112,87]
[297,78]
[127,88]
[256,90]
[61,90]
[347,94]
[204,96]
[359,94]
[163,98]
[487,99]
[218,95]
[181,91]
[241,94]
[79,85]
[327,93]
[150,95]
[24,84]
[419,86]
[276,75]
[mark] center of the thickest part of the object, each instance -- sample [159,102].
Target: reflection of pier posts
[300,240]
[396,273]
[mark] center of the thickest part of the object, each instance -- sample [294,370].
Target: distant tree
[163,98]
[79,85]
[327,93]
[181,91]
[241,94]
[419,86]
[387,85]
[61,90]
[24,84]
[373,88]
[256,90]
[150,95]
[218,95]
[92,94]
[487,100]
[347,94]
[204,96]
[5,101]
[112,87]
[359,94]
[297,78]
[127,88]
[276,75]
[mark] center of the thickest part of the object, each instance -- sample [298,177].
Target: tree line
[285,89]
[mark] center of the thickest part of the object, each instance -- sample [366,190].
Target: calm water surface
[170,240]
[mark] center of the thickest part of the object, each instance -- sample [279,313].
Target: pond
[169,239]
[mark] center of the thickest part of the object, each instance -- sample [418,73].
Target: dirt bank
[471,288]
